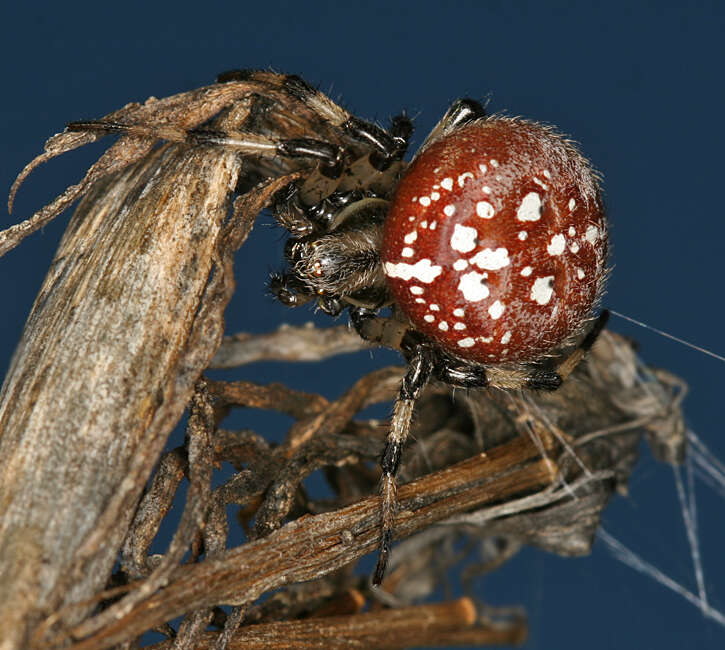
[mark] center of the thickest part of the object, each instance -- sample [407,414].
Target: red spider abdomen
[495,244]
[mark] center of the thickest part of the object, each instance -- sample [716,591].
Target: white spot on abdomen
[490,259]
[530,208]
[422,270]
[542,289]
[496,310]
[462,178]
[473,287]
[447,184]
[449,210]
[466,343]
[592,234]
[484,210]
[411,237]
[407,252]
[557,245]
[460,265]
[463,238]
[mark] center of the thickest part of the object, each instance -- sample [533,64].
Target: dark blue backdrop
[640,87]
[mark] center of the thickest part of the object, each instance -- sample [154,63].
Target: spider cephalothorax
[488,249]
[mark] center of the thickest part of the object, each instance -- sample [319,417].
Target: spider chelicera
[482,260]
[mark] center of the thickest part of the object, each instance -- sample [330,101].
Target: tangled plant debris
[493,469]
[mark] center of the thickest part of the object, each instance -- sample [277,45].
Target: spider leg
[389,332]
[389,146]
[420,366]
[289,213]
[330,156]
[401,128]
[426,361]
[461,112]
[459,373]
[541,379]
[293,86]
[572,361]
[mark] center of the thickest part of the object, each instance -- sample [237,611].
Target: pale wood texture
[129,315]
[105,367]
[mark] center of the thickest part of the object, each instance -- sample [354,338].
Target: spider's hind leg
[420,366]
[461,112]
[541,378]
[421,361]
[572,361]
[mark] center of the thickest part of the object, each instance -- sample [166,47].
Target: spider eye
[496,241]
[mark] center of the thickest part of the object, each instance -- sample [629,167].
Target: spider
[482,260]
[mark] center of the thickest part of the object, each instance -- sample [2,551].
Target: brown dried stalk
[314,546]
[451,623]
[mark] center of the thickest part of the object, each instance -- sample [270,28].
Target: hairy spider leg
[387,145]
[420,366]
[329,155]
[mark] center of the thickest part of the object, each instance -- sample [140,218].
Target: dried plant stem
[314,546]
[288,343]
[448,623]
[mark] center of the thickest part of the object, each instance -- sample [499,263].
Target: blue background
[641,87]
